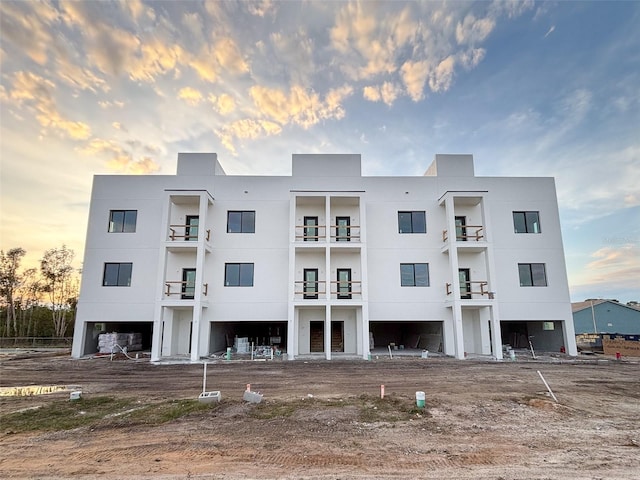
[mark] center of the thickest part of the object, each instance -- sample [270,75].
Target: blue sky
[529,88]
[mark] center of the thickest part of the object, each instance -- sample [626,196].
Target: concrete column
[79,334]
[327,332]
[292,320]
[156,337]
[458,330]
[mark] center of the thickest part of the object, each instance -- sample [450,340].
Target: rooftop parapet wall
[445,165]
[326,165]
[199,164]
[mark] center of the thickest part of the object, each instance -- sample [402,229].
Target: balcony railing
[346,290]
[467,289]
[185,233]
[310,289]
[186,289]
[477,233]
[310,233]
[352,233]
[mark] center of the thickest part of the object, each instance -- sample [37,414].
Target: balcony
[466,233]
[186,289]
[472,289]
[310,233]
[310,289]
[346,290]
[345,233]
[188,233]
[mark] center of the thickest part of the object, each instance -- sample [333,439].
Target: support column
[327,332]
[156,337]
[458,332]
[79,334]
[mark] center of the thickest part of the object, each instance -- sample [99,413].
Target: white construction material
[75,395]
[425,353]
[208,397]
[390,354]
[548,387]
[252,397]
[420,398]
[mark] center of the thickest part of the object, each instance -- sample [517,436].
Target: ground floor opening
[406,336]
[545,336]
[239,336]
[102,337]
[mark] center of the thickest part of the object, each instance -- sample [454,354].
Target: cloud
[36,93]
[299,106]
[441,78]
[120,160]
[245,129]
[260,8]
[229,57]
[126,164]
[473,30]
[224,104]
[414,77]
[612,267]
[387,92]
[28,31]
[550,31]
[190,95]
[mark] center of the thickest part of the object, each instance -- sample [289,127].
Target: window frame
[415,217]
[122,224]
[240,265]
[311,230]
[414,275]
[530,275]
[528,224]
[120,275]
[244,224]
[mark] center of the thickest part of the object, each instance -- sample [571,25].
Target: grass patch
[98,412]
[371,408]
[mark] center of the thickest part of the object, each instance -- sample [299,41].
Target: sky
[529,88]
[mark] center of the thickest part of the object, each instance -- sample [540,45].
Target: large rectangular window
[238,275]
[412,222]
[117,275]
[122,221]
[532,274]
[414,274]
[526,222]
[241,221]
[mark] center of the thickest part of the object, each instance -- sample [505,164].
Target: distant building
[324,262]
[605,316]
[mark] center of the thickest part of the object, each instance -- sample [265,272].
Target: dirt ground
[482,420]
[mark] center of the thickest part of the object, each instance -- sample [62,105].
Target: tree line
[38,301]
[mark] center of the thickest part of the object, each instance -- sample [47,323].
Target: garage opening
[545,336]
[100,337]
[409,338]
[240,335]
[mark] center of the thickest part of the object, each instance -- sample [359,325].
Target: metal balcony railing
[186,289]
[310,233]
[180,232]
[467,289]
[346,290]
[311,289]
[463,235]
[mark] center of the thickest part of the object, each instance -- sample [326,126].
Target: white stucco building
[323,260]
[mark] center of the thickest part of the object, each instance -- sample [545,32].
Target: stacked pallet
[107,342]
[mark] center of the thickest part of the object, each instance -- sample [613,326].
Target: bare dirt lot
[325,420]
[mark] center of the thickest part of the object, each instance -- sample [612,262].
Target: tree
[59,284]
[10,280]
